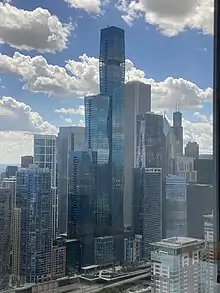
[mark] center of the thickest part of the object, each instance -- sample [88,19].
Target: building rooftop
[178,242]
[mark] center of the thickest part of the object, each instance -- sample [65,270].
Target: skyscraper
[137,101]
[45,157]
[147,206]
[178,132]
[105,131]
[81,198]
[176,206]
[5,195]
[34,199]
[151,142]
[70,138]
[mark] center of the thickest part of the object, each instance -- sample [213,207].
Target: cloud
[171,17]
[69,121]
[71,111]
[201,132]
[91,6]
[15,144]
[81,78]
[17,116]
[32,30]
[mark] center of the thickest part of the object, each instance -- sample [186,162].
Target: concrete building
[133,252]
[137,101]
[70,138]
[176,206]
[45,157]
[26,161]
[5,195]
[201,165]
[104,250]
[11,171]
[177,265]
[192,150]
[34,198]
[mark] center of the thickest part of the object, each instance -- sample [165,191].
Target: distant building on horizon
[178,132]
[192,150]
[26,161]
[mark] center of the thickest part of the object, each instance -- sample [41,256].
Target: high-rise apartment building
[177,265]
[16,242]
[26,161]
[104,250]
[147,206]
[133,251]
[137,101]
[192,150]
[184,167]
[5,195]
[178,132]
[176,206]
[70,138]
[34,199]
[151,141]
[45,157]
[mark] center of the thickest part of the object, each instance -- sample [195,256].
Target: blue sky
[173,48]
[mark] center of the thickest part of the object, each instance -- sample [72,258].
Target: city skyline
[166,67]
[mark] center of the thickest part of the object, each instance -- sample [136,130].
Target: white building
[177,265]
[184,167]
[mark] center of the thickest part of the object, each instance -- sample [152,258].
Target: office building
[11,171]
[133,251]
[151,141]
[147,206]
[26,161]
[176,206]
[177,265]
[104,250]
[5,194]
[200,201]
[81,198]
[34,198]
[209,261]
[45,157]
[70,138]
[184,167]
[192,150]
[178,132]
[137,101]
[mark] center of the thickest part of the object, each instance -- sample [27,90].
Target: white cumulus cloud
[91,6]
[171,17]
[71,111]
[18,116]
[32,30]
[81,78]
